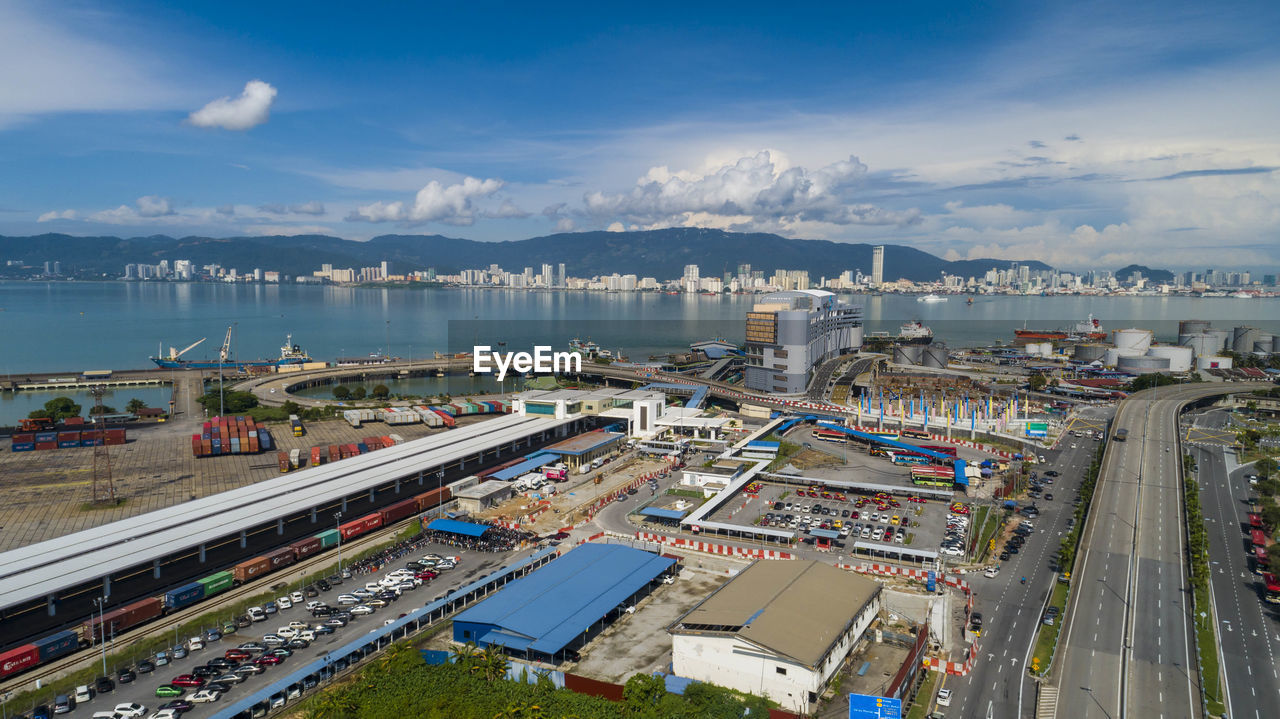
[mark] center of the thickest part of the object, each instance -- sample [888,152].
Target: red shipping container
[206,446]
[24,438]
[315,456]
[118,621]
[335,453]
[283,459]
[68,436]
[306,547]
[280,558]
[253,445]
[16,660]
[435,497]
[360,526]
[250,568]
[48,445]
[73,421]
[386,442]
[398,511]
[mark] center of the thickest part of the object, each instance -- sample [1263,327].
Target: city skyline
[1078,135]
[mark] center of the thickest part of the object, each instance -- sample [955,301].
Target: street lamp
[99,602]
[337,520]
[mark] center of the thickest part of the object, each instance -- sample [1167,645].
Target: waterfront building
[789,333]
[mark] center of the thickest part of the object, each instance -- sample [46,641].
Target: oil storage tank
[1264,343]
[1202,344]
[908,354]
[1090,352]
[1114,354]
[1180,358]
[1211,362]
[1223,339]
[1145,364]
[1191,327]
[935,356]
[1135,340]
[1243,338]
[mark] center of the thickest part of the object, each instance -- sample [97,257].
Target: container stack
[399,415]
[66,439]
[228,435]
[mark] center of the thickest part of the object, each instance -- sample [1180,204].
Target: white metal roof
[37,570]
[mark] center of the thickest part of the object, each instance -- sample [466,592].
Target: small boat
[931,298]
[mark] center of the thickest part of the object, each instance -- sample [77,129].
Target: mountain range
[654,253]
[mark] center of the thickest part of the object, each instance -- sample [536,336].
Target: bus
[916,434]
[1270,588]
[830,435]
[946,449]
[1259,537]
[1121,434]
[880,452]
[933,476]
[1255,520]
[884,435]
[908,458]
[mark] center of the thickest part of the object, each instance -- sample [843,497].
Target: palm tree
[493,663]
[465,654]
[333,705]
[397,655]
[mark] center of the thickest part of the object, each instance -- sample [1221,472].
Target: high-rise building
[547,276]
[560,275]
[877,265]
[788,334]
[692,278]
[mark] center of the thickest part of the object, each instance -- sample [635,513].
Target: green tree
[1037,382]
[290,407]
[381,391]
[642,693]
[134,405]
[232,402]
[341,392]
[1273,557]
[358,393]
[1271,516]
[1265,467]
[1268,487]
[56,409]
[493,663]
[102,409]
[333,705]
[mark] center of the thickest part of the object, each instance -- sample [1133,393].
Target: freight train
[100,628]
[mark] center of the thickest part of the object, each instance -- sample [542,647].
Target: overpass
[1128,648]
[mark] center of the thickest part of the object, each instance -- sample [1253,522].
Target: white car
[273,641]
[372,587]
[990,572]
[360,610]
[165,714]
[447,564]
[306,635]
[298,626]
[297,597]
[348,599]
[202,696]
[286,632]
[131,709]
[256,614]
[951,551]
[944,697]
[313,604]
[284,602]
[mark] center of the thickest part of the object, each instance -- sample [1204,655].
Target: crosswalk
[1046,702]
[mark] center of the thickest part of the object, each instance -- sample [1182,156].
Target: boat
[931,298]
[969,301]
[1243,295]
[290,354]
[1089,330]
[911,333]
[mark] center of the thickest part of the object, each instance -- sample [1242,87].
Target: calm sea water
[68,327]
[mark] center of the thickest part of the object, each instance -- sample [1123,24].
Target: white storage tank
[1132,339]
[1243,339]
[1203,344]
[1113,355]
[1180,358]
[1211,362]
[1223,339]
[1264,343]
[1145,364]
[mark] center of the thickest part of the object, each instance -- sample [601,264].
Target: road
[143,690]
[1127,647]
[999,682]
[1248,627]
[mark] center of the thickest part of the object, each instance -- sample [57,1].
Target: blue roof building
[558,608]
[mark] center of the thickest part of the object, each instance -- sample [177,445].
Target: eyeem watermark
[542,361]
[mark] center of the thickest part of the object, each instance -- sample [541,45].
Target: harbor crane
[174,354]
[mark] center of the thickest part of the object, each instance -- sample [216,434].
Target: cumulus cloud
[307,208]
[506,211]
[57,215]
[146,208]
[154,206]
[287,230]
[250,109]
[616,227]
[451,204]
[226,210]
[754,190]
[565,224]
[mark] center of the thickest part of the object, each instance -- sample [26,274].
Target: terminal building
[790,333]
[778,630]
[639,410]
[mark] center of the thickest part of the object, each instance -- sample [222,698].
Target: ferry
[290,354]
[1086,330]
[931,298]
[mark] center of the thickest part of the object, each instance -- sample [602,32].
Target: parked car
[168,690]
[63,704]
[203,697]
[131,709]
[126,675]
[104,685]
[187,680]
[84,693]
[177,705]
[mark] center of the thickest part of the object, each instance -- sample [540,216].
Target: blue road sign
[866,706]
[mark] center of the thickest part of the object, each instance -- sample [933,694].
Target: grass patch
[1047,639]
[94,507]
[1210,672]
[918,707]
[911,537]
[1198,553]
[692,493]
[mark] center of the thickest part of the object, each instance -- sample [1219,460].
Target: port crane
[224,354]
[174,354]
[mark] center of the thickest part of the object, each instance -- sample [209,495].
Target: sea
[76,326]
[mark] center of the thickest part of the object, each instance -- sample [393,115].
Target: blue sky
[1076,133]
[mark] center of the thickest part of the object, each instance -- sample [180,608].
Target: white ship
[931,298]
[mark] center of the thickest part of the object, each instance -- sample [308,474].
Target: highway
[1249,629]
[1127,648]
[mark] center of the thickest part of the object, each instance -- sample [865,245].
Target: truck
[296,424]
[1121,434]
[295,458]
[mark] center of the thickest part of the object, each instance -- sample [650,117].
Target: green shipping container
[215,583]
[328,538]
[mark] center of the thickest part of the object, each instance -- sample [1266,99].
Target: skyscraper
[877,265]
[692,279]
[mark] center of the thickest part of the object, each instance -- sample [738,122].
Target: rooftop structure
[790,333]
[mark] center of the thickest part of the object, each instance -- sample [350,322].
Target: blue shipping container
[364,448]
[46,436]
[69,444]
[24,446]
[184,596]
[264,439]
[56,645]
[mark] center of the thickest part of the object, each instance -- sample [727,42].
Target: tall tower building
[877,265]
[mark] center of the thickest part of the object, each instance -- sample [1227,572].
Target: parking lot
[235,660]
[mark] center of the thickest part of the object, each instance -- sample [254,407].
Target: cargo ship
[290,354]
[911,333]
[1084,331]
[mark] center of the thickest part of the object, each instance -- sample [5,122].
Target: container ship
[290,354]
[1084,331]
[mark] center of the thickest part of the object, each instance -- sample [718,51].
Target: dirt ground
[44,494]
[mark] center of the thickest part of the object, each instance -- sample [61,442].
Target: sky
[1082,134]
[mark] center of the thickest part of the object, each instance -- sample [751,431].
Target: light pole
[100,601]
[337,520]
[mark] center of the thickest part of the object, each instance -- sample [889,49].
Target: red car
[426,574]
[237,655]
[187,680]
[267,659]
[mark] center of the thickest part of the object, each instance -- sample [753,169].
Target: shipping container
[393,439]
[360,526]
[372,442]
[363,448]
[250,568]
[282,557]
[328,538]
[57,645]
[264,439]
[446,418]
[351,450]
[46,445]
[434,498]
[183,596]
[215,583]
[46,436]
[335,453]
[353,418]
[118,621]
[68,440]
[315,456]
[25,437]
[91,438]
[283,459]
[306,547]
[387,442]
[295,458]
[16,660]
[398,511]
[24,446]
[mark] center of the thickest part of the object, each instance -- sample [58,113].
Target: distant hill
[1152,275]
[654,253]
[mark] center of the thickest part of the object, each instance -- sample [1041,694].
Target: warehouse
[548,614]
[778,630]
[586,448]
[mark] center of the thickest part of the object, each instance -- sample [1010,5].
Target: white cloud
[145,209]
[506,211]
[451,204]
[153,206]
[565,224]
[759,188]
[57,215]
[313,207]
[250,109]
[288,230]
[616,227]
